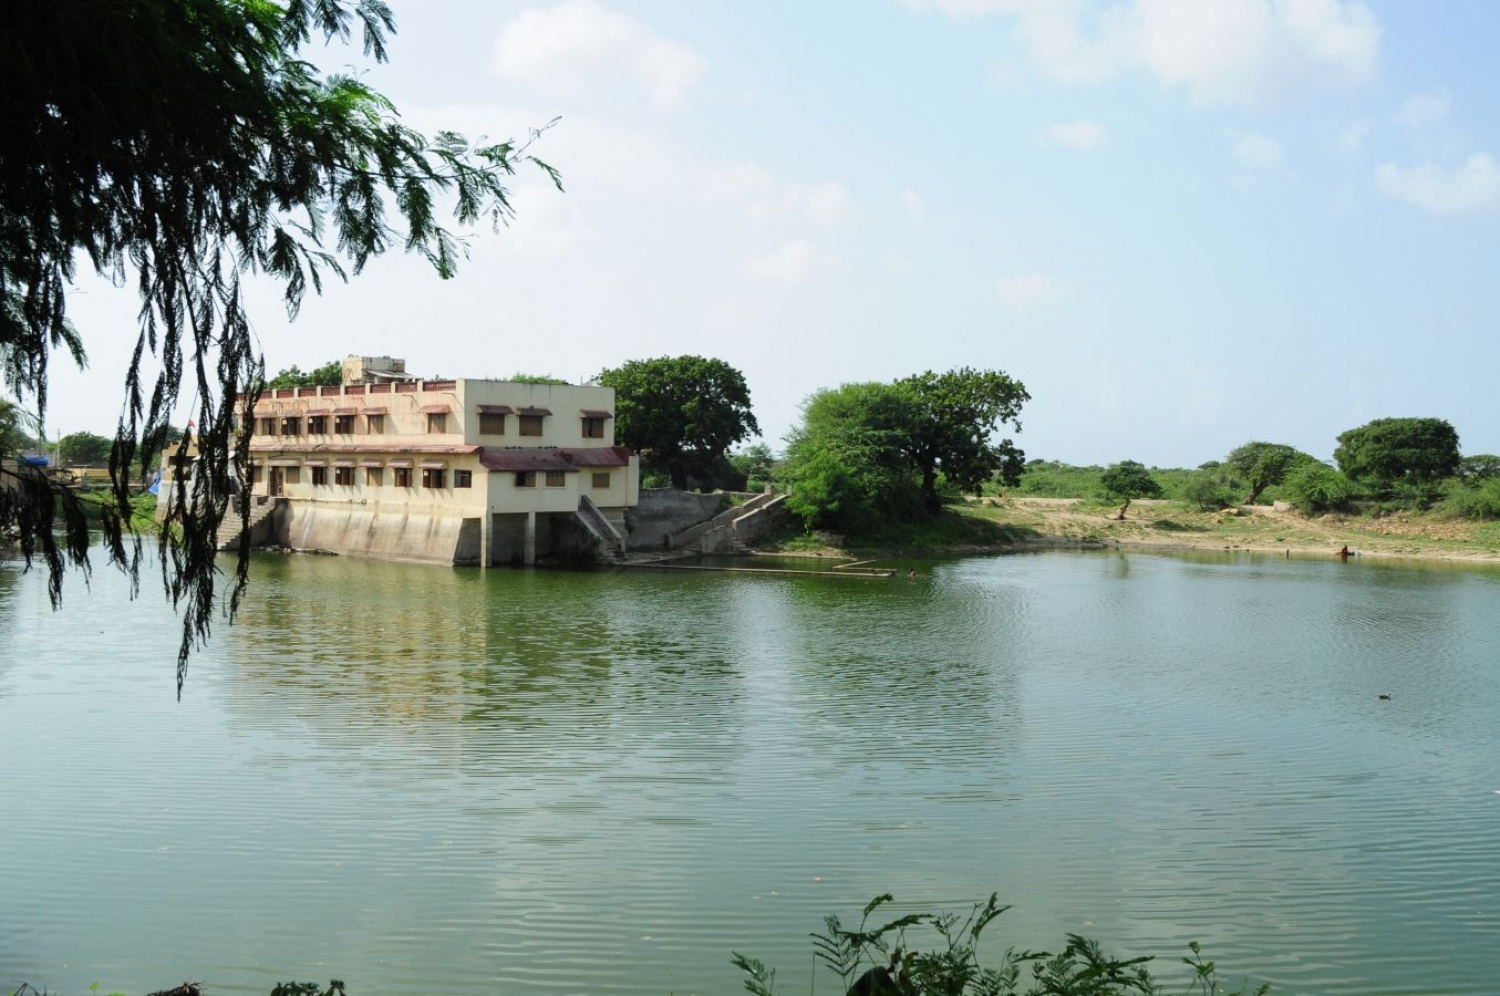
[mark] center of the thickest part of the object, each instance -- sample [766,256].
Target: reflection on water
[424,779]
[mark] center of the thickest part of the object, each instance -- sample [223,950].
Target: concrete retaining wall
[363,533]
[663,512]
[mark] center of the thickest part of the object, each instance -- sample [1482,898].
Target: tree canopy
[869,450]
[1128,480]
[185,145]
[1262,465]
[330,374]
[1390,451]
[683,412]
[83,447]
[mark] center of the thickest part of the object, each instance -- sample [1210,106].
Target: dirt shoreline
[1169,526]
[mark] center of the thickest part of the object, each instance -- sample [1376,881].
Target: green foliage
[1478,501]
[684,411]
[880,961]
[868,453]
[1129,479]
[330,374]
[180,144]
[83,447]
[14,435]
[1391,450]
[525,378]
[1480,467]
[1261,465]
[1316,487]
[948,425]
[1052,479]
[1208,490]
[756,464]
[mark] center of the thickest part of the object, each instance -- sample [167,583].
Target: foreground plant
[880,962]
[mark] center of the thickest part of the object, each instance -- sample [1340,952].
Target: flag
[155,487]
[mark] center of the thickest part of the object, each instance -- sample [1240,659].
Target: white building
[454,471]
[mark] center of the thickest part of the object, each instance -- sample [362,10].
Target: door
[273,487]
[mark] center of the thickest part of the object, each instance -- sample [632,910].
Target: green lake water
[424,780]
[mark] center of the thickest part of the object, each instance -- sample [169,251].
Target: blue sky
[1182,224]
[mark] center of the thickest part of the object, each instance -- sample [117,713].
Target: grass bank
[999,524]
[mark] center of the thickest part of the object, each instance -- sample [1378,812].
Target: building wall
[391,426]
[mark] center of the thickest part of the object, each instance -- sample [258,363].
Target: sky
[1181,224]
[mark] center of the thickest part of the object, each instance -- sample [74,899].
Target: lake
[418,779]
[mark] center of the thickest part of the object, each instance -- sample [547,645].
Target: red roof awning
[371,463]
[284,463]
[435,409]
[596,413]
[378,410]
[398,463]
[433,464]
[520,458]
[346,411]
[534,411]
[493,409]
[315,411]
[343,463]
[602,456]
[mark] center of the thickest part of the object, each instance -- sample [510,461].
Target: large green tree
[950,423]
[1261,465]
[1127,481]
[83,447]
[683,412]
[1391,451]
[330,374]
[873,450]
[184,145]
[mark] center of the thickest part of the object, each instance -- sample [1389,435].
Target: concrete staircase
[730,530]
[262,509]
[599,526]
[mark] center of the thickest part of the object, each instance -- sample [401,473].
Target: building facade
[454,471]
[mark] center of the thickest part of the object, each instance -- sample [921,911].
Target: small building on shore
[462,471]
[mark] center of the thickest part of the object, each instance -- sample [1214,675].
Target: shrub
[879,962]
[1480,502]
[1317,487]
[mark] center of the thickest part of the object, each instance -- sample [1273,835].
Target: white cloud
[916,206]
[1259,152]
[1232,51]
[1031,291]
[1422,111]
[1352,138]
[579,42]
[1472,186]
[825,203]
[791,263]
[1080,136]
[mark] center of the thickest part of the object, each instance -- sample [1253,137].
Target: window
[531,425]
[525,478]
[593,428]
[557,478]
[403,476]
[432,477]
[265,426]
[320,476]
[437,423]
[291,425]
[343,476]
[255,474]
[317,425]
[374,477]
[601,478]
[463,478]
[343,425]
[375,424]
[492,423]
[293,475]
